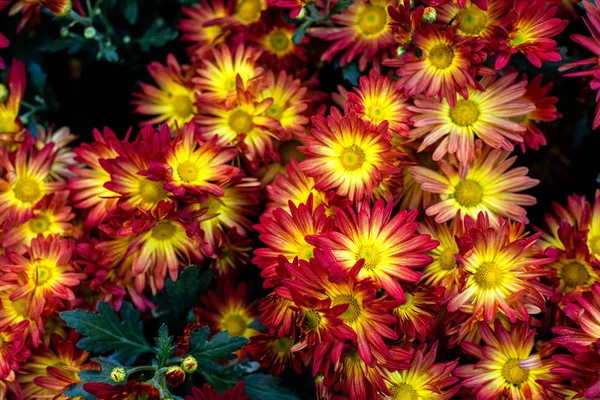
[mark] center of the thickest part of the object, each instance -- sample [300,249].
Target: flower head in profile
[32,10]
[506,364]
[485,114]
[405,20]
[275,353]
[11,127]
[61,138]
[387,247]
[489,186]
[172,102]
[346,154]
[529,28]
[194,26]
[415,317]
[364,34]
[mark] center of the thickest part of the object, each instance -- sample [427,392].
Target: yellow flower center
[352,312]
[240,121]
[352,158]
[152,191]
[279,42]
[468,193]
[372,20]
[248,11]
[595,244]
[235,324]
[514,374]
[472,21]
[164,230]
[447,260]
[404,391]
[409,302]
[44,272]
[575,274]
[28,190]
[441,56]
[306,253]
[183,106]
[283,344]
[517,38]
[312,320]
[370,255]
[488,276]
[466,113]
[275,111]
[39,225]
[188,172]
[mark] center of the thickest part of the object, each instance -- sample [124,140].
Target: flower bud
[301,14]
[189,364]
[64,31]
[429,15]
[175,375]
[118,374]
[89,32]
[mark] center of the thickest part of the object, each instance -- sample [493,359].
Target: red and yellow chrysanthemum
[529,28]
[507,368]
[15,312]
[45,272]
[24,181]
[502,274]
[415,317]
[13,348]
[389,247]
[193,28]
[364,34]
[278,49]
[65,156]
[87,186]
[230,310]
[274,353]
[346,154]
[486,114]
[489,186]
[377,100]
[11,127]
[577,214]
[172,102]
[32,10]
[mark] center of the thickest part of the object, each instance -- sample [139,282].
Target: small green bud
[189,364]
[118,374]
[302,14]
[89,32]
[64,31]
[97,11]
[400,51]
[126,39]
[108,43]
[3,92]
[429,15]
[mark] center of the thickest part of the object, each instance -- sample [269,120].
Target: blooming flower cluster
[375,238]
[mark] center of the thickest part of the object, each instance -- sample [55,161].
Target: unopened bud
[301,14]
[64,31]
[89,32]
[126,39]
[189,364]
[175,375]
[429,15]
[118,374]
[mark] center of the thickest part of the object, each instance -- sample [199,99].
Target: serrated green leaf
[37,76]
[103,376]
[131,11]
[164,345]
[72,44]
[157,36]
[219,348]
[174,303]
[340,6]
[351,73]
[104,333]
[300,32]
[266,387]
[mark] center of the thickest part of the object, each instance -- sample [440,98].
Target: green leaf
[104,333]
[218,348]
[300,32]
[340,6]
[174,303]
[86,376]
[131,11]
[266,387]
[38,77]
[106,51]
[164,345]
[72,44]
[157,36]
[351,73]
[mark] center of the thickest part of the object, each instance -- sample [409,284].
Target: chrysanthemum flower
[506,367]
[528,29]
[405,20]
[193,27]
[278,50]
[11,127]
[474,21]
[545,111]
[289,102]
[65,156]
[13,348]
[377,100]
[364,34]
[243,13]
[489,186]
[415,317]
[230,310]
[274,353]
[172,102]
[12,313]
[50,370]
[575,214]
[195,167]
[500,270]
[208,393]
[87,186]
[389,246]
[581,373]
[24,181]
[44,271]
[284,233]
[130,390]
[295,6]
[485,115]
[346,154]
[351,301]
[218,75]
[278,314]
[442,71]
[244,122]
[51,217]
[424,379]
[412,196]
[32,9]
